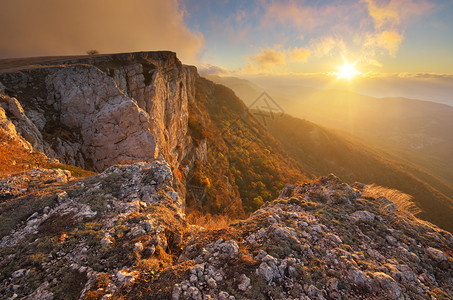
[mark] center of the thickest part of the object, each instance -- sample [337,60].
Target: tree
[92,52]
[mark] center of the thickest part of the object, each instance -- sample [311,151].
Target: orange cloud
[270,59]
[389,18]
[388,40]
[267,59]
[50,27]
[299,54]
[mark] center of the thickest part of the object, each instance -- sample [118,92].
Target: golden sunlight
[347,71]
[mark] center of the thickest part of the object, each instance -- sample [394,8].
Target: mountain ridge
[124,232]
[417,131]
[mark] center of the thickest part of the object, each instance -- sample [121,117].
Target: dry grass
[208,220]
[14,159]
[405,209]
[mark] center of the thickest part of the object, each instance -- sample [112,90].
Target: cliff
[95,112]
[99,111]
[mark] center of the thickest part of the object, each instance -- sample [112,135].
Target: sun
[347,71]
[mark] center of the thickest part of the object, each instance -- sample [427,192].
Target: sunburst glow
[347,71]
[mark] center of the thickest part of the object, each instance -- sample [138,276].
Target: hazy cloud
[383,14]
[327,45]
[302,15]
[267,59]
[392,13]
[270,59]
[389,18]
[388,40]
[378,24]
[299,16]
[299,54]
[57,27]
[425,75]
[209,69]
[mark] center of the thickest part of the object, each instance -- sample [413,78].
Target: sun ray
[347,71]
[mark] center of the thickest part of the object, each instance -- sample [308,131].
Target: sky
[314,36]
[309,38]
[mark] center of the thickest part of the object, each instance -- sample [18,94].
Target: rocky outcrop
[92,228]
[122,233]
[112,109]
[17,126]
[323,240]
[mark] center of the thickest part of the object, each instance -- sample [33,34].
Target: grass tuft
[405,209]
[208,220]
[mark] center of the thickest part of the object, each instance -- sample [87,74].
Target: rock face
[113,129]
[123,234]
[12,117]
[107,110]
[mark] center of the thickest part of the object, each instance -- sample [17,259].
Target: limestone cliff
[111,109]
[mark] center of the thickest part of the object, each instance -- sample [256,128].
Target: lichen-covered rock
[17,185]
[386,286]
[305,246]
[122,234]
[94,230]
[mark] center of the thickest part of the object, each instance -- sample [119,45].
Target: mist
[427,87]
[70,27]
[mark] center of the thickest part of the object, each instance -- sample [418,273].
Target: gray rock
[229,249]
[244,283]
[176,293]
[138,246]
[212,283]
[266,272]
[224,296]
[363,215]
[357,277]
[125,277]
[436,254]
[385,283]
[18,273]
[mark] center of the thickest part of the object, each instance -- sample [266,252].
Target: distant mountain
[322,151]
[418,132]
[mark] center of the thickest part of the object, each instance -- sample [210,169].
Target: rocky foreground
[123,234]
